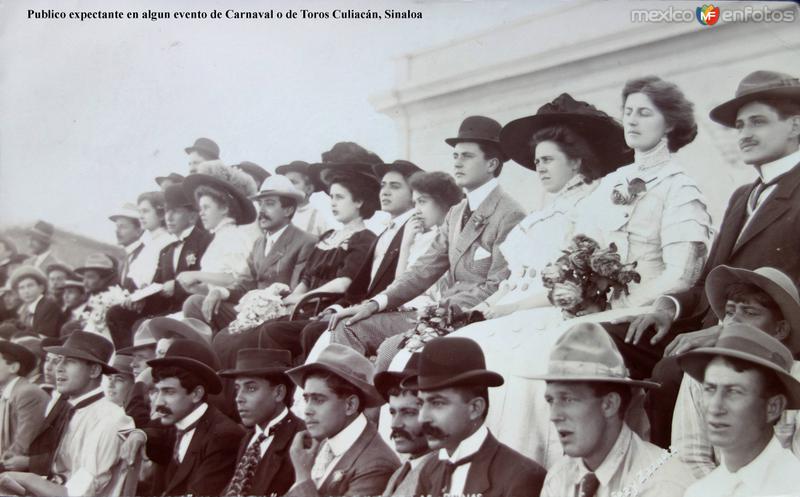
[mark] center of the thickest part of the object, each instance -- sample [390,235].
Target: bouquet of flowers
[432,322]
[586,277]
[94,317]
[259,306]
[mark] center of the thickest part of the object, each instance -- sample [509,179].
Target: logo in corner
[707,15]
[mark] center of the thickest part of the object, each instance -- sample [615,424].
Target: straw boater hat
[195,357]
[23,272]
[89,347]
[586,353]
[259,362]
[127,211]
[280,186]
[479,129]
[741,341]
[188,328]
[773,282]
[142,339]
[756,86]
[601,132]
[348,365]
[387,380]
[305,168]
[449,362]
[98,262]
[205,145]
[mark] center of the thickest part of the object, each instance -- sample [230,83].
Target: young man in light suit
[22,404]
[467,249]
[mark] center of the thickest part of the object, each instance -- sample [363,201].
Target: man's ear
[611,405]
[198,393]
[477,407]
[782,331]
[775,407]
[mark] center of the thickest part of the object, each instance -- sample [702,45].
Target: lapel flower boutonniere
[337,476]
[636,187]
[479,220]
[191,259]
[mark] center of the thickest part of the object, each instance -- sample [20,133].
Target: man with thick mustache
[453,385]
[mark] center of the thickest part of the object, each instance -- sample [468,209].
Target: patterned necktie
[321,463]
[446,477]
[465,216]
[242,477]
[176,452]
[588,486]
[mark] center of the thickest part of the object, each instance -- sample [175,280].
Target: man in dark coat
[40,313]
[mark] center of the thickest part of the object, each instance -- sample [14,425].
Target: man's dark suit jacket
[48,318]
[209,461]
[192,250]
[495,471]
[274,474]
[44,444]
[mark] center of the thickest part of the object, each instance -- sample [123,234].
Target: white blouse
[228,250]
[143,267]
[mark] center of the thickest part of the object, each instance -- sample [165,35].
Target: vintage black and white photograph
[399,248]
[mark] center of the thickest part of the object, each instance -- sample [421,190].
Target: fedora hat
[258,173]
[280,186]
[601,132]
[479,129]
[741,341]
[773,282]
[387,380]
[195,357]
[243,211]
[42,230]
[174,177]
[348,365]
[87,346]
[451,361]
[404,167]
[21,354]
[123,364]
[205,145]
[98,262]
[259,362]
[127,211]
[757,85]
[188,328]
[175,197]
[52,342]
[304,168]
[143,338]
[586,353]
[23,272]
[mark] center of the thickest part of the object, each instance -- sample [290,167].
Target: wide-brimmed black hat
[603,134]
[89,347]
[304,168]
[259,362]
[387,380]
[361,171]
[258,173]
[243,210]
[404,167]
[174,177]
[755,86]
[42,230]
[194,357]
[175,197]
[478,129]
[25,357]
[205,145]
[451,361]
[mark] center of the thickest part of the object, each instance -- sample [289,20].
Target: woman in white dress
[657,217]
[155,237]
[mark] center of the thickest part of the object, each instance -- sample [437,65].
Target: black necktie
[588,486]
[465,216]
[446,475]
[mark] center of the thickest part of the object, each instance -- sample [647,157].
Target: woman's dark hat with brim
[757,85]
[404,167]
[89,347]
[24,272]
[244,211]
[24,356]
[304,168]
[741,341]
[174,177]
[329,171]
[195,357]
[601,132]
[479,129]
[258,173]
[259,362]
[450,362]
[387,380]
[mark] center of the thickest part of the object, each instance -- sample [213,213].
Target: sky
[91,112]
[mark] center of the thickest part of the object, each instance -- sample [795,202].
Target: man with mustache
[407,433]
[453,385]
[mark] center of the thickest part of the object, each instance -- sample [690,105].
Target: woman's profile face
[344,207]
[644,124]
[149,217]
[553,166]
[211,212]
[429,210]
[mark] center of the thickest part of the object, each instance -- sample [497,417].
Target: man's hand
[188,279]
[10,482]
[354,314]
[302,452]
[168,289]
[693,340]
[16,463]
[131,446]
[211,304]
[660,320]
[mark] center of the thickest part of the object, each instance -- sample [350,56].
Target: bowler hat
[258,173]
[174,177]
[42,230]
[780,288]
[280,186]
[23,272]
[87,346]
[304,168]
[603,134]
[348,365]
[127,211]
[242,210]
[206,146]
[175,197]
[188,328]
[478,129]
[195,357]
[451,361]
[259,362]
[404,167]
[24,356]
[586,353]
[387,380]
[744,342]
[98,262]
[756,86]
[143,338]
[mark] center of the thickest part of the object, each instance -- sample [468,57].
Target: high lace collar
[653,158]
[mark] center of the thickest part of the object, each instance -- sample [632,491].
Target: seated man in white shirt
[340,452]
[747,385]
[589,391]
[91,431]
[453,384]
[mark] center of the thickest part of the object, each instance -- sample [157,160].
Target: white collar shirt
[33,305]
[385,239]
[770,172]
[186,422]
[476,197]
[176,254]
[258,431]
[469,446]
[272,239]
[342,441]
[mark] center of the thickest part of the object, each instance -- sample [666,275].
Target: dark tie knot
[588,485]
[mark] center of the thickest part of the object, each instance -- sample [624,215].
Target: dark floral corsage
[636,187]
